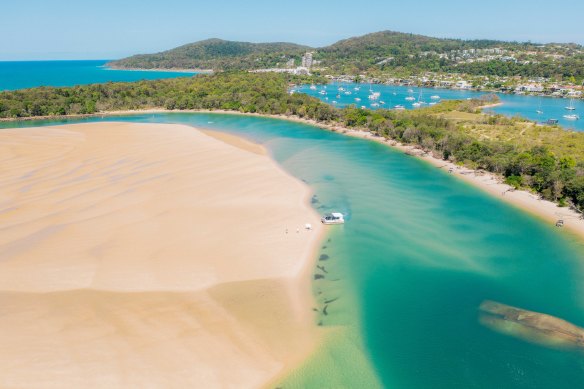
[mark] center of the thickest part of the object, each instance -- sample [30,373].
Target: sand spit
[149,255]
[491,183]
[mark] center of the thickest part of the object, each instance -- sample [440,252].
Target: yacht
[571,117]
[374,105]
[322,92]
[312,87]
[357,99]
[332,218]
[348,92]
[399,107]
[410,98]
[356,88]
[571,106]
[374,95]
[435,97]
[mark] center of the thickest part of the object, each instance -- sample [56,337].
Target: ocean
[404,277]
[29,74]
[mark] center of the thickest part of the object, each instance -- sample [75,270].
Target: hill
[385,52]
[407,54]
[216,54]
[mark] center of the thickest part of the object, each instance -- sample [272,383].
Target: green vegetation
[385,52]
[547,160]
[412,54]
[217,54]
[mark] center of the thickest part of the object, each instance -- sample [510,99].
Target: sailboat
[373,95]
[571,106]
[410,97]
[539,111]
[572,117]
[419,103]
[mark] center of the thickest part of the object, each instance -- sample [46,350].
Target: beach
[150,255]
[486,181]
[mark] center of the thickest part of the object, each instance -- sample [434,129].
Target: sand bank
[488,182]
[149,255]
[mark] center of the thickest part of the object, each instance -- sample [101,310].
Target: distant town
[539,86]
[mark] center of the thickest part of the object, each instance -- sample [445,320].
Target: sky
[110,29]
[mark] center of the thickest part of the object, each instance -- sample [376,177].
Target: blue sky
[107,29]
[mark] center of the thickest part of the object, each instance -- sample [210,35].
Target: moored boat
[571,117]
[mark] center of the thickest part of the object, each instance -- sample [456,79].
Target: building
[307,60]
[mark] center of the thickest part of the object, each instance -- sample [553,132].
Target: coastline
[488,182]
[160,308]
[172,70]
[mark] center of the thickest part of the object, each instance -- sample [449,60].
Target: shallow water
[404,277]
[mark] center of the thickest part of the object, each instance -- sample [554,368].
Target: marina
[535,108]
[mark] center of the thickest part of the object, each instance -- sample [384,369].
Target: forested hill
[217,54]
[381,52]
[394,52]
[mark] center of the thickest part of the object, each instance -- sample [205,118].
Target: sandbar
[150,255]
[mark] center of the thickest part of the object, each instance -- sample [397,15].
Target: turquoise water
[513,105]
[30,74]
[405,275]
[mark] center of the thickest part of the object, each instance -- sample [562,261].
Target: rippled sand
[149,255]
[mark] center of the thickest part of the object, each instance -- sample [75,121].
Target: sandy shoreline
[150,255]
[485,181]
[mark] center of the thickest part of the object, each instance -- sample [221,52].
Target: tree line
[557,177]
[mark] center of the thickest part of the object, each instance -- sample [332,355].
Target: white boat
[375,105]
[539,111]
[322,92]
[357,99]
[410,90]
[571,106]
[373,95]
[417,104]
[399,107]
[435,97]
[334,102]
[432,103]
[356,88]
[381,102]
[348,92]
[332,218]
[341,89]
[363,107]
[313,87]
[420,102]
[571,117]
[410,98]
